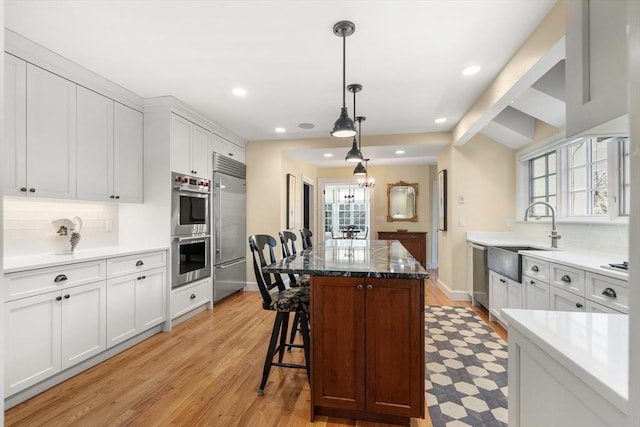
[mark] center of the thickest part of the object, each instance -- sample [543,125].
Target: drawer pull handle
[608,292]
[67,296]
[23,189]
[58,298]
[359,287]
[369,287]
[566,279]
[534,268]
[32,190]
[144,277]
[139,263]
[193,296]
[533,282]
[578,305]
[60,278]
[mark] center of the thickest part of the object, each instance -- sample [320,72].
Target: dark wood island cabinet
[367,333]
[414,241]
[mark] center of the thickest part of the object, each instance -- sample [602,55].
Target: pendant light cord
[344,70]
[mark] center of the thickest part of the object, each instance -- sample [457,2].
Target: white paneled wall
[27,228]
[609,238]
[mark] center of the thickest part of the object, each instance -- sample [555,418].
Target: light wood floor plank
[205,373]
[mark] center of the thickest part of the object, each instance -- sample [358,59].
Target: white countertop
[589,262]
[593,346]
[29,262]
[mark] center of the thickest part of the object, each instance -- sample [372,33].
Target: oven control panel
[190,183]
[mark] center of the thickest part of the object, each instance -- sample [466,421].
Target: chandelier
[365,181]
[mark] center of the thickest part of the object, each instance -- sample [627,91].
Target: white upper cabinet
[189,148]
[110,143]
[128,152]
[228,148]
[51,135]
[596,63]
[14,145]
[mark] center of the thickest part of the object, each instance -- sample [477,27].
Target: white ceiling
[408,55]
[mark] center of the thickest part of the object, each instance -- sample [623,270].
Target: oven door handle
[189,239]
[204,193]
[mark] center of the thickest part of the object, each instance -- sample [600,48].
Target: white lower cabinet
[561,300]
[503,293]
[136,302]
[48,333]
[186,298]
[594,307]
[536,293]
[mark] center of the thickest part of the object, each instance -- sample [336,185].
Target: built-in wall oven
[191,245]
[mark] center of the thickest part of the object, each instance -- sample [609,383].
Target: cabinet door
[121,309]
[536,294]
[236,152]
[151,291]
[14,144]
[180,145]
[32,340]
[514,294]
[95,146]
[394,343]
[561,300]
[51,135]
[497,293]
[338,342]
[83,325]
[127,154]
[200,159]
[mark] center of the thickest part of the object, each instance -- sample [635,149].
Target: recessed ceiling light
[280,130]
[239,91]
[400,152]
[306,125]
[440,120]
[328,155]
[471,70]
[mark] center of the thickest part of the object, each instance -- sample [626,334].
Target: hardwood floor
[204,373]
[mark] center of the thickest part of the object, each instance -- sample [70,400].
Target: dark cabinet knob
[58,298]
[144,277]
[359,287]
[67,296]
[608,292]
[60,278]
[566,279]
[369,287]
[139,278]
[23,189]
[32,190]
[139,263]
[578,305]
[117,197]
[112,196]
[193,296]
[534,268]
[230,154]
[533,282]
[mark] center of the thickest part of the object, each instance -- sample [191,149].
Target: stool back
[305,235]
[288,243]
[259,245]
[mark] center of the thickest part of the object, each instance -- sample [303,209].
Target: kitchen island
[367,329]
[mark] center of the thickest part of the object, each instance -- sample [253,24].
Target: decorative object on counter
[344,127]
[442,200]
[291,200]
[554,232]
[466,369]
[402,199]
[355,154]
[65,235]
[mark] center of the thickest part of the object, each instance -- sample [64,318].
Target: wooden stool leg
[283,335]
[294,329]
[270,352]
[304,323]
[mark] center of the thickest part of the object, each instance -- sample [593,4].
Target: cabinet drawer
[561,300]
[535,268]
[38,281]
[186,298]
[612,293]
[133,263]
[567,278]
[594,307]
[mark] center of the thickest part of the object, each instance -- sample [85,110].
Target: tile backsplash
[27,227]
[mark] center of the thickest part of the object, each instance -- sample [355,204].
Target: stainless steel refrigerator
[229,236]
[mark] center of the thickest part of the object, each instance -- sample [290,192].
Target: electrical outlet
[461,200]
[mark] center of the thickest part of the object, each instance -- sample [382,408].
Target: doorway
[307,203]
[346,206]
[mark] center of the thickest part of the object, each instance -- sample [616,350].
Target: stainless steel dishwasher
[480,275]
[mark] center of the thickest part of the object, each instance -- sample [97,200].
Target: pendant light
[355,155]
[344,126]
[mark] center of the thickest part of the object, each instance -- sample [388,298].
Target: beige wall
[483,173]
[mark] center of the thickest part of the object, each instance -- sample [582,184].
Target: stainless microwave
[190,200]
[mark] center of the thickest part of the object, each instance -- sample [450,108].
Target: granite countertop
[354,258]
[29,262]
[593,346]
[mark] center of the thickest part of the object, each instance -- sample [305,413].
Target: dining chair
[275,297]
[364,236]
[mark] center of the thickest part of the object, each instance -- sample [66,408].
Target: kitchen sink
[505,260]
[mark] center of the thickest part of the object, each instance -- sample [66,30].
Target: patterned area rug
[466,371]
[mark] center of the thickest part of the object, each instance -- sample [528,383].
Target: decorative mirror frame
[414,185]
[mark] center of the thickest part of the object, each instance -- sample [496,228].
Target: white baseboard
[451,294]
[251,287]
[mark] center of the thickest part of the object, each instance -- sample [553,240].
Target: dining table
[367,329]
[350,232]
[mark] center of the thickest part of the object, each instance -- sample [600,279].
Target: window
[345,205]
[625,177]
[543,182]
[588,178]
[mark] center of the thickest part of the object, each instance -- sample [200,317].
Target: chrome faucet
[554,233]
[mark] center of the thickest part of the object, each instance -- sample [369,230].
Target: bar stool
[288,242]
[283,301]
[305,235]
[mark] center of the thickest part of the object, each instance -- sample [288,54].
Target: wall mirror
[402,199]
